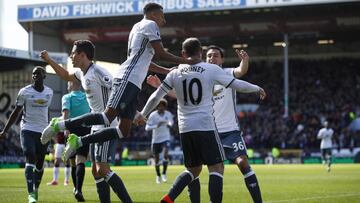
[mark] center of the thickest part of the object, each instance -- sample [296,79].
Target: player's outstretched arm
[153,101]
[11,121]
[246,87]
[242,69]
[154,81]
[166,56]
[60,71]
[158,69]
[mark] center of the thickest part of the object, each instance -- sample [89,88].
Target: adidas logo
[252,185]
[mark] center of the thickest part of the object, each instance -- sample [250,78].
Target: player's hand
[153,81]
[139,119]
[45,55]
[262,93]
[242,55]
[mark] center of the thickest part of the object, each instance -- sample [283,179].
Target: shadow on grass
[91,200]
[52,201]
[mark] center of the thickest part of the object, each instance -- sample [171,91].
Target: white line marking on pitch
[312,198]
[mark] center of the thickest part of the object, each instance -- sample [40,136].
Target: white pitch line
[312,198]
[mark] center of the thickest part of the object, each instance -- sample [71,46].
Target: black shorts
[157,148]
[201,147]
[124,98]
[326,151]
[103,152]
[81,131]
[31,145]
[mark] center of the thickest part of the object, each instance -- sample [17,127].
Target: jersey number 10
[188,89]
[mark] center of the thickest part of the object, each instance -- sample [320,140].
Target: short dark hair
[85,46]
[191,46]
[39,67]
[221,50]
[163,102]
[152,7]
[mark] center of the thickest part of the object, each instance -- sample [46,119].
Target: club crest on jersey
[106,79]
[87,82]
[216,92]
[40,101]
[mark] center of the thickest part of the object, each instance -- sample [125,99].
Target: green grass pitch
[279,183]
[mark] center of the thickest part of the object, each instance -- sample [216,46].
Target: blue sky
[12,33]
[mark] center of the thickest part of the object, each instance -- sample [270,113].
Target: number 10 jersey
[193,85]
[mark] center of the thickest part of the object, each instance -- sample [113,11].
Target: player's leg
[28,147]
[194,190]
[104,153]
[329,159]
[156,149]
[40,159]
[235,150]
[123,94]
[323,156]
[57,162]
[56,169]
[114,180]
[215,189]
[102,188]
[213,156]
[193,163]
[80,160]
[250,178]
[181,181]
[73,171]
[166,146]
[123,101]
[56,125]
[67,172]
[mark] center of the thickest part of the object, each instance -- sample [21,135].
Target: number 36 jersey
[193,85]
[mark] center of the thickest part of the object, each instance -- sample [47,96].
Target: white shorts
[59,148]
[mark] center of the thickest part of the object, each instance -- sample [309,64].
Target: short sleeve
[20,100]
[78,74]
[222,77]
[151,30]
[65,102]
[168,83]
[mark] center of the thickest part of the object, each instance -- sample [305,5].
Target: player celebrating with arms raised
[193,85]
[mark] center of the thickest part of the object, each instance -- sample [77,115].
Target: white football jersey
[96,83]
[162,133]
[36,108]
[225,118]
[140,52]
[193,85]
[326,137]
